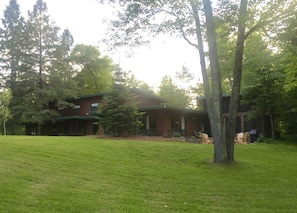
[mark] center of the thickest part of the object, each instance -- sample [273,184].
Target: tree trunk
[262,125]
[38,129]
[206,87]
[272,125]
[237,73]
[4,127]
[218,132]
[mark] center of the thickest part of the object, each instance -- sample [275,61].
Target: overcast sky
[84,19]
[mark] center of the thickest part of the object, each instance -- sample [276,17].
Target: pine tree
[13,47]
[61,79]
[43,43]
[11,43]
[119,115]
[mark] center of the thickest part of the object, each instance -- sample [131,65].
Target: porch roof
[168,107]
[76,117]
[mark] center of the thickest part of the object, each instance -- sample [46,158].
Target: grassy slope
[78,174]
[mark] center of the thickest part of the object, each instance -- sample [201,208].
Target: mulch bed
[143,138]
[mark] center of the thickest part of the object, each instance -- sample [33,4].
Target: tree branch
[261,24]
[185,37]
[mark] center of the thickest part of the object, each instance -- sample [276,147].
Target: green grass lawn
[80,174]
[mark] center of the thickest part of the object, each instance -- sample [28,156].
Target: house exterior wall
[192,124]
[163,124]
[158,119]
[85,106]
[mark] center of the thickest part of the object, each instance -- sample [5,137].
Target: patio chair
[206,139]
[239,138]
[246,137]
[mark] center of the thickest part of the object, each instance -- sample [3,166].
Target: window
[76,107]
[94,106]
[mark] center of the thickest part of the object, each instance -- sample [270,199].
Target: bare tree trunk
[262,125]
[218,129]
[206,87]
[237,74]
[272,125]
[38,129]
[4,127]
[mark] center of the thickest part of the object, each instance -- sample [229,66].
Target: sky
[85,20]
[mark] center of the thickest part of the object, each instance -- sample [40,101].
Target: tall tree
[184,18]
[43,43]
[11,43]
[61,78]
[13,54]
[288,62]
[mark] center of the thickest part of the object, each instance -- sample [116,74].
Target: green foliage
[184,75]
[95,72]
[118,114]
[176,134]
[13,59]
[38,67]
[289,63]
[266,94]
[289,111]
[263,139]
[173,95]
[43,40]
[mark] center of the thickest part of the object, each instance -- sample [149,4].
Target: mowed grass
[80,174]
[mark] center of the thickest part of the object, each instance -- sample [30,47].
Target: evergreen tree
[13,54]
[119,115]
[43,43]
[61,80]
[11,43]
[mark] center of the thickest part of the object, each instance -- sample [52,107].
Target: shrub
[176,134]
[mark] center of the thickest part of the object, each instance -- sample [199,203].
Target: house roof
[100,94]
[203,97]
[135,90]
[159,107]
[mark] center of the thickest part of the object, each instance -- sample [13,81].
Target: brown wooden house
[158,119]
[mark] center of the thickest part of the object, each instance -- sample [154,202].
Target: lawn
[81,174]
